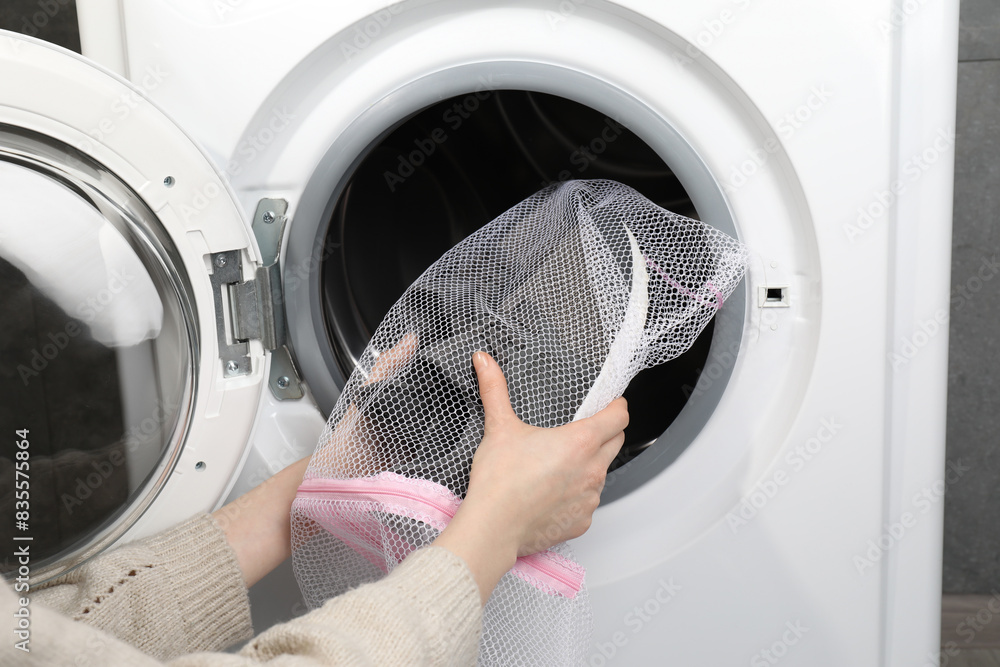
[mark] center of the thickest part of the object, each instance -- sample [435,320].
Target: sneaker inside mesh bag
[573,291]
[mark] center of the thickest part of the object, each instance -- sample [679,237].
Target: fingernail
[479,360]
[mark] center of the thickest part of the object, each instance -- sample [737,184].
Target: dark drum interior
[451,168]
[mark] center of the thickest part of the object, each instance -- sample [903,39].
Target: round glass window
[451,168]
[96,337]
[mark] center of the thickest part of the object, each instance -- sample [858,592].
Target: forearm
[256,524]
[174,592]
[425,612]
[474,538]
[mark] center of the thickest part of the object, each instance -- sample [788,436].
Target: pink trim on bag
[430,503]
[685,291]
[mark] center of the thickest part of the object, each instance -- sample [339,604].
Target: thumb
[492,389]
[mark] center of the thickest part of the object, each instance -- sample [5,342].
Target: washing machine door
[134,312]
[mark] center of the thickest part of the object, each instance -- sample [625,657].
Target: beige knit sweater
[172,595]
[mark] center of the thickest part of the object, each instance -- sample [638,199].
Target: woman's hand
[529,487]
[258,523]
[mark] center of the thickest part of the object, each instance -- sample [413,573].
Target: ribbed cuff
[206,576]
[441,586]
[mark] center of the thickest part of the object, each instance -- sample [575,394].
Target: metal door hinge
[256,306]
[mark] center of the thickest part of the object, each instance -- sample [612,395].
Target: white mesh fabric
[573,291]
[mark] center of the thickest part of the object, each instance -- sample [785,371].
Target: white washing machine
[780,496]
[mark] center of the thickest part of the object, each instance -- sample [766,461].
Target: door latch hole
[773,297]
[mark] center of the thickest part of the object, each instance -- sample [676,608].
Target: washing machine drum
[573,291]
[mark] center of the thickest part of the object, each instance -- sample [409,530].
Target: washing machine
[278,172]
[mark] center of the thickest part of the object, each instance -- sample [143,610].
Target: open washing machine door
[789,127]
[136,310]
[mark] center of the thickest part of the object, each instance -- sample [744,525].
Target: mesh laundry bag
[573,291]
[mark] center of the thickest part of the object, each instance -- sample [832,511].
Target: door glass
[95,361]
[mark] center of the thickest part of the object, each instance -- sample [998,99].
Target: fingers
[387,363]
[609,450]
[607,423]
[492,389]
[393,359]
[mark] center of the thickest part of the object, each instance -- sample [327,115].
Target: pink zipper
[683,290]
[557,572]
[435,505]
[416,495]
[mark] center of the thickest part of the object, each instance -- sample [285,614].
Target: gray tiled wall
[972,504]
[979,36]
[972,507]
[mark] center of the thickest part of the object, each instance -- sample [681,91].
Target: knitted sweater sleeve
[181,591]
